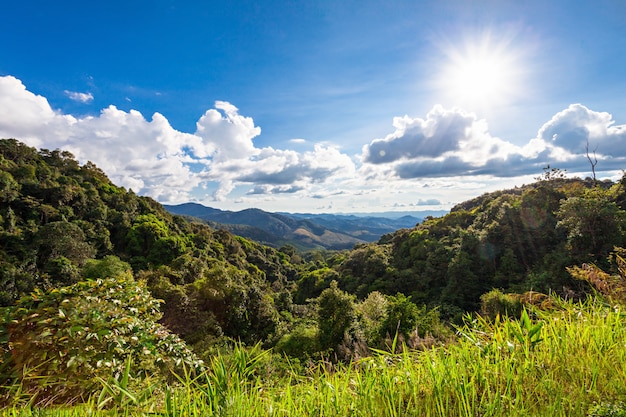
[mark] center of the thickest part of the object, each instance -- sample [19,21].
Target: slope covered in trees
[516,240]
[57,216]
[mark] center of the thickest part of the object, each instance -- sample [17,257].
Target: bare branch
[593,161]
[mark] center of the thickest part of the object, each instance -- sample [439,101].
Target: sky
[319,106]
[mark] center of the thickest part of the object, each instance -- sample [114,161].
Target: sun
[480,75]
[478,79]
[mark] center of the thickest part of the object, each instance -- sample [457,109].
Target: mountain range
[305,231]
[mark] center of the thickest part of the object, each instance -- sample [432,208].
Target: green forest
[511,304]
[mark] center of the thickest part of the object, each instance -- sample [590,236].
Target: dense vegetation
[84,263]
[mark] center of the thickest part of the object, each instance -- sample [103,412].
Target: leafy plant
[336,315]
[608,409]
[66,341]
[527,333]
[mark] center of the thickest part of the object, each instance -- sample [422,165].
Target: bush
[301,343]
[496,303]
[64,342]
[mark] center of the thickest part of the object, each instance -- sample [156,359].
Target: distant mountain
[192,209]
[304,231]
[368,228]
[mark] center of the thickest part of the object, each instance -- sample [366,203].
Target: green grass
[570,361]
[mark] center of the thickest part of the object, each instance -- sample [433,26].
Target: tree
[109,267]
[372,313]
[335,316]
[593,161]
[313,282]
[62,250]
[9,188]
[552,174]
[364,268]
[465,280]
[594,224]
[144,233]
[64,239]
[401,316]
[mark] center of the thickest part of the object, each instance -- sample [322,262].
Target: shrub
[65,341]
[301,343]
[496,303]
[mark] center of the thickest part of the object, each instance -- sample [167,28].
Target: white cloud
[226,134]
[417,138]
[154,159]
[427,202]
[27,116]
[449,143]
[282,170]
[445,143]
[577,129]
[80,97]
[267,189]
[448,149]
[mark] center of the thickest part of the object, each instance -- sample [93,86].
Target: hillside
[515,240]
[303,231]
[57,218]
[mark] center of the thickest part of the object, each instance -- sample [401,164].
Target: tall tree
[336,315]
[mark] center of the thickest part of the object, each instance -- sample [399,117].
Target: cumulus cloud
[577,129]
[455,143]
[267,189]
[155,159]
[27,116]
[226,134]
[445,143]
[428,202]
[283,170]
[440,132]
[420,202]
[80,97]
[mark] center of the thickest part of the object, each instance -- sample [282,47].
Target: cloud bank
[153,158]
[444,147]
[455,143]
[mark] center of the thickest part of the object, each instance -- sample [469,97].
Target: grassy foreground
[569,361]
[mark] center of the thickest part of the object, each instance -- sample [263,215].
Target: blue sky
[319,106]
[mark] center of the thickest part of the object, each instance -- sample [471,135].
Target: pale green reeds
[570,361]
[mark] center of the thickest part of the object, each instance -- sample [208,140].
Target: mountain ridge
[305,231]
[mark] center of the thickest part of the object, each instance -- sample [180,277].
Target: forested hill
[514,240]
[63,223]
